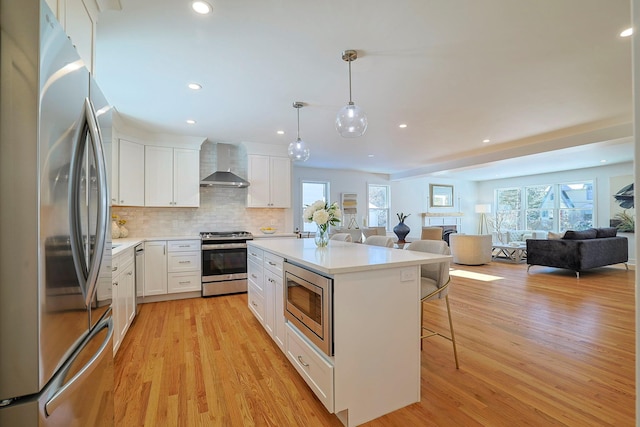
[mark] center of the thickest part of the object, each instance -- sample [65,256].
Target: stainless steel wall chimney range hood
[223,177]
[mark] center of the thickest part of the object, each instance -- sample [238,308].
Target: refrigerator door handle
[58,391]
[103,200]
[88,274]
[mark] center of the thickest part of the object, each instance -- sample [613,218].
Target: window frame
[311,227]
[387,209]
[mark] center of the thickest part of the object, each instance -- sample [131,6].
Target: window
[378,206]
[576,206]
[546,207]
[312,191]
[508,203]
[540,209]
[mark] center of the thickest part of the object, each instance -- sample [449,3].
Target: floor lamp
[483,210]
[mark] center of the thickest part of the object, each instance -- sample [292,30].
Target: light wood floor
[538,349]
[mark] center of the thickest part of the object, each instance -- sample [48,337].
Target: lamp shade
[351,122]
[298,151]
[483,208]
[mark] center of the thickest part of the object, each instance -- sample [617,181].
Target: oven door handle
[224,246]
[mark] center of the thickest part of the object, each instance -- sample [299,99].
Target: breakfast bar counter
[375,313]
[343,257]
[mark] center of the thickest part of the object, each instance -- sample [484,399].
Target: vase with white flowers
[323,214]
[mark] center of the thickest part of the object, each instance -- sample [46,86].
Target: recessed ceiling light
[194,86]
[191,122]
[370,155]
[603,161]
[280,132]
[626,33]
[201,7]
[402,126]
[486,141]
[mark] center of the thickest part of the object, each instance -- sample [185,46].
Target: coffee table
[509,253]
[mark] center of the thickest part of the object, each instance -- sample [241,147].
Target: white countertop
[342,257]
[119,245]
[261,235]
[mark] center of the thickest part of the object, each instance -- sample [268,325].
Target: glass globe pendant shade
[298,151]
[351,122]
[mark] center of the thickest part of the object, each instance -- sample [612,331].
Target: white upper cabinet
[172,177]
[127,184]
[186,177]
[80,27]
[78,19]
[270,179]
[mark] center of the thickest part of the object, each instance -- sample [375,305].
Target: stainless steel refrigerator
[56,356]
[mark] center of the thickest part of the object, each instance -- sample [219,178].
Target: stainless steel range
[224,262]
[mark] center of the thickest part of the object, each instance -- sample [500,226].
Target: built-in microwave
[308,305]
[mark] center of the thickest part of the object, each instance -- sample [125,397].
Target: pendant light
[351,121]
[298,150]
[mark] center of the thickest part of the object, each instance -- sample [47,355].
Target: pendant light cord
[350,100]
[298,108]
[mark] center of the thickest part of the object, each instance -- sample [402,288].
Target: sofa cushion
[606,232]
[580,235]
[554,236]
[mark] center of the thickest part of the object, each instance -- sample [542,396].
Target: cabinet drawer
[273,263]
[254,273]
[314,369]
[256,302]
[255,255]
[120,261]
[183,245]
[184,261]
[184,282]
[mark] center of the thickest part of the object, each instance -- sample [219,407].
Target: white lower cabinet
[274,297]
[172,267]
[123,290]
[265,292]
[316,371]
[255,288]
[266,301]
[155,268]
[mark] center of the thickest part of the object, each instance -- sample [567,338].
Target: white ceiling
[531,76]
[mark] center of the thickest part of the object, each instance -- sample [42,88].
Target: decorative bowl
[268,230]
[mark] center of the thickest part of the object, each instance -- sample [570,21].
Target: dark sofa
[579,250]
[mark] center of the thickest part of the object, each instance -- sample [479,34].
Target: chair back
[384,241]
[431,233]
[439,272]
[344,237]
[374,231]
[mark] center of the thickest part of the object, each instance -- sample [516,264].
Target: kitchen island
[375,368]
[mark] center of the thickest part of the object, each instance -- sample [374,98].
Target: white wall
[411,197]
[635,15]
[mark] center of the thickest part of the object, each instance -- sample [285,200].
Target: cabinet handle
[271,280]
[185,283]
[114,269]
[184,246]
[254,276]
[254,254]
[121,201]
[115,283]
[272,263]
[254,304]
[130,273]
[184,262]
[306,365]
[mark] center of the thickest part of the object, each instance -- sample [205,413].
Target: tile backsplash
[221,208]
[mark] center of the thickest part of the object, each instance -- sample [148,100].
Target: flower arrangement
[323,214]
[401,216]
